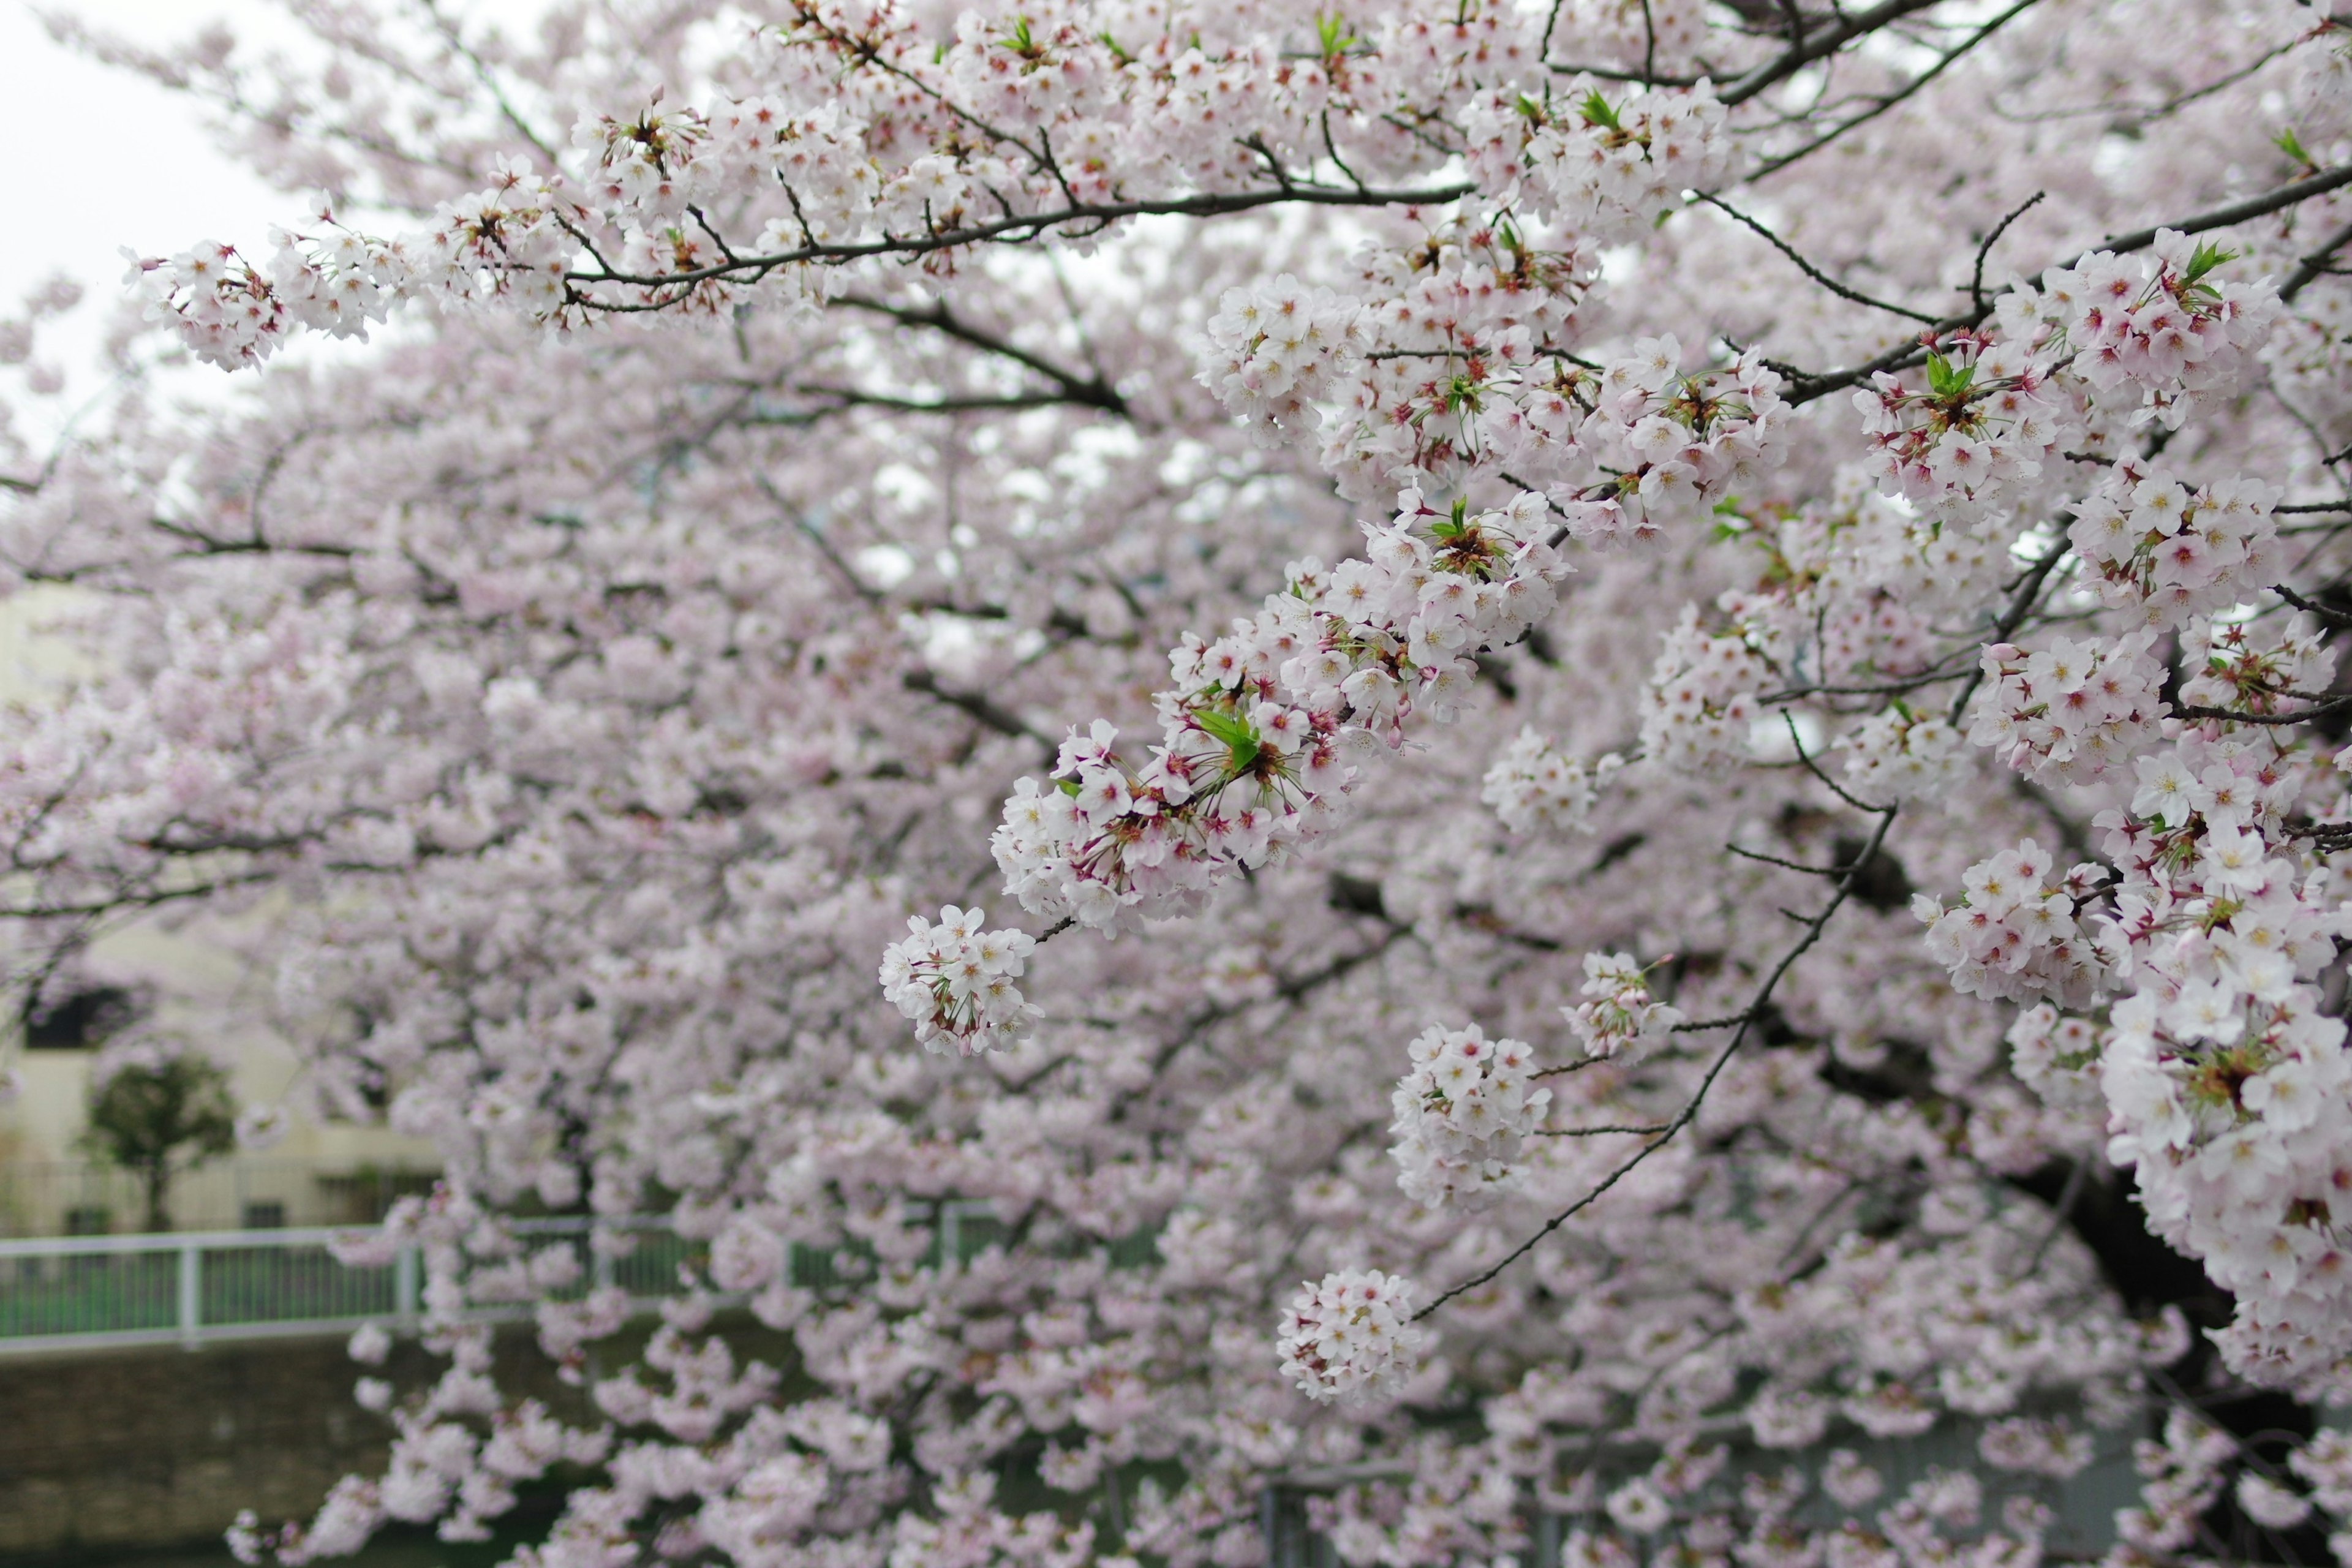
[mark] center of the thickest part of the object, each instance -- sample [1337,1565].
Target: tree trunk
[159,1192]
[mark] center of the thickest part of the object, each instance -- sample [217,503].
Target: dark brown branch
[840,399]
[2310,267]
[2333,705]
[1828,41]
[2336,618]
[1595,1132]
[1091,390]
[1015,224]
[1943,63]
[978,705]
[1789,865]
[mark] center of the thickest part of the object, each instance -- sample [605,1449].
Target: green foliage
[1239,735]
[1946,380]
[2203,259]
[160,1117]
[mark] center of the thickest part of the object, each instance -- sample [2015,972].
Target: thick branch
[1827,42]
[1092,391]
[1018,224]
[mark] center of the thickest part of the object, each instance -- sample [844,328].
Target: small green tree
[160,1110]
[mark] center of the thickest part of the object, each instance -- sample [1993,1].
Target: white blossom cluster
[1700,704]
[1619,1016]
[2171,553]
[2325,1464]
[2015,936]
[230,312]
[2074,710]
[2266,667]
[1608,170]
[1461,359]
[1670,444]
[1466,363]
[1534,785]
[2227,1083]
[1271,351]
[2181,1478]
[1351,1338]
[2046,372]
[1253,726]
[1902,756]
[955,981]
[818,151]
[2057,1057]
[2153,327]
[1460,1115]
[1976,437]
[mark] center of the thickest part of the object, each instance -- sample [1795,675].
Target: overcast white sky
[116,159]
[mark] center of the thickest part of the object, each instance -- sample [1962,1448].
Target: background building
[319,1172]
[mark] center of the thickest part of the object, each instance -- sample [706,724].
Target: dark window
[265,1216]
[88,1219]
[84,1019]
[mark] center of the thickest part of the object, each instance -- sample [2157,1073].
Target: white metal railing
[196,1286]
[193,1288]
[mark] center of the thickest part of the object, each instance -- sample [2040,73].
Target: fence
[203,1287]
[194,1287]
[77,1197]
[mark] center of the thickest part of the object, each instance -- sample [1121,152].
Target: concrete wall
[135,1449]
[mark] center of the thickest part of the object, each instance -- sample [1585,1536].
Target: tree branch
[1014,226]
[1842,291]
[1747,1016]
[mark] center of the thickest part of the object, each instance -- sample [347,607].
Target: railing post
[191,1286]
[601,1263]
[403,1285]
[951,1232]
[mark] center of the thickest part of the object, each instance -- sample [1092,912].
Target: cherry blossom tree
[1646,688]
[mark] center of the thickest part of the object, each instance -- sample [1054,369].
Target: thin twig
[2058,1217]
[1828,41]
[1790,865]
[2300,603]
[2028,590]
[1984,251]
[1596,1131]
[1842,291]
[1689,1112]
[1013,227]
[1805,387]
[1918,83]
[2232,716]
